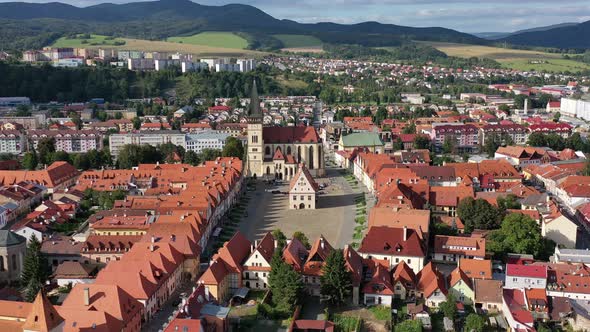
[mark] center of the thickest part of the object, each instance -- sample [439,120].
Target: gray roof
[535,199]
[214,310]
[8,238]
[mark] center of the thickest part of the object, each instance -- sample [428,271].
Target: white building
[575,107]
[206,140]
[187,66]
[153,138]
[303,190]
[70,141]
[525,276]
[246,65]
[69,63]
[12,141]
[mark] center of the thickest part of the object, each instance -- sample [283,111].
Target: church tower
[255,140]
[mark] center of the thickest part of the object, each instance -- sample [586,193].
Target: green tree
[409,326]
[191,158]
[303,238]
[448,145]
[398,144]
[285,284]
[537,139]
[477,214]
[519,234]
[507,202]
[34,271]
[556,117]
[81,161]
[45,150]
[493,142]
[474,322]
[336,281]
[410,129]
[210,154]
[449,307]
[136,123]
[281,239]
[30,160]
[60,156]
[380,115]
[233,148]
[421,142]
[76,119]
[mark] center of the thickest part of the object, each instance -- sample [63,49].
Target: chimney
[276,243]
[152,247]
[322,242]
[405,233]
[86,296]
[207,293]
[153,239]
[251,248]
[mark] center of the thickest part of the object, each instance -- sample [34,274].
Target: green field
[510,58]
[298,41]
[81,42]
[213,39]
[549,65]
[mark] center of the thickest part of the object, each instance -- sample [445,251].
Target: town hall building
[275,152]
[303,190]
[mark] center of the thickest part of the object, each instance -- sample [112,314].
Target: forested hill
[165,18]
[572,36]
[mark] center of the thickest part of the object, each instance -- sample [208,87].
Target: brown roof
[390,241]
[418,220]
[403,273]
[317,256]
[295,254]
[305,172]
[444,244]
[429,280]
[458,275]
[488,290]
[476,268]
[43,317]
[296,134]
[72,269]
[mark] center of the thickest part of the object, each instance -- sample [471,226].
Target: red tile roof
[531,271]
[390,241]
[296,134]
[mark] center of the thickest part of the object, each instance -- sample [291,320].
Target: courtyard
[334,217]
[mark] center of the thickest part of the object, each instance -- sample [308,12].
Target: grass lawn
[298,41]
[94,40]
[381,312]
[345,323]
[214,39]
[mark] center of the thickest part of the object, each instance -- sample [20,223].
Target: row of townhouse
[470,137]
[153,238]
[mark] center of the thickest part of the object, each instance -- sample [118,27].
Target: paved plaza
[334,216]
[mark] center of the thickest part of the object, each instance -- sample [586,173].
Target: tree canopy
[336,281]
[34,271]
[521,235]
[478,214]
[285,283]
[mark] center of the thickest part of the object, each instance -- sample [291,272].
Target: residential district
[296,214]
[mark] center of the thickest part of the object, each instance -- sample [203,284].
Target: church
[275,152]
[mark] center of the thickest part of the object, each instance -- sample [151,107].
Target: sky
[463,15]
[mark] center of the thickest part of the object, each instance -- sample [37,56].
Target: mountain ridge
[176,17]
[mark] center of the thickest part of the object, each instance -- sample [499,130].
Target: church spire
[255,111]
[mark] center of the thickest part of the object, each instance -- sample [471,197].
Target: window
[409,261]
[309,198]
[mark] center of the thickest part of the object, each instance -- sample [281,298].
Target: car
[276,191]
